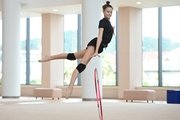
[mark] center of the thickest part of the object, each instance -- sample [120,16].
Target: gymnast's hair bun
[107,2]
[107,5]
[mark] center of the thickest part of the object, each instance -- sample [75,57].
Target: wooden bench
[48,92]
[132,94]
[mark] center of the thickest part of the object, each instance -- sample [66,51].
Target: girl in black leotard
[94,47]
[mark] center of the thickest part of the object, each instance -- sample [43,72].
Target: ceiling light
[138,3]
[55,10]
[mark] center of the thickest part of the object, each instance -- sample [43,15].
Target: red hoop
[98,94]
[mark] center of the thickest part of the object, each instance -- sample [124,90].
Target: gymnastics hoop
[98,94]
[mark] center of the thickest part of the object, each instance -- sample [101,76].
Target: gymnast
[93,49]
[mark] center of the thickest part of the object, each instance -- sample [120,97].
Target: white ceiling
[145,3]
[69,9]
[75,7]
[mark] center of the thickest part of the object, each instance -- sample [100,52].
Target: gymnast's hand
[95,54]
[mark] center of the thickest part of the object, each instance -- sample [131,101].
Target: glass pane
[23,51]
[70,45]
[109,65]
[35,49]
[171,46]
[150,47]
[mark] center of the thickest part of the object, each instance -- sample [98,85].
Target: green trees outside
[150,60]
[150,44]
[34,44]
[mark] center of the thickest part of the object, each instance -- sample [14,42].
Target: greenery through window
[35,50]
[170,47]
[150,47]
[34,42]
[70,45]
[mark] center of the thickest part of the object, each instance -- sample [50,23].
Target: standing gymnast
[94,47]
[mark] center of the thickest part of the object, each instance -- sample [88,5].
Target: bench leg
[42,98]
[147,101]
[52,98]
[58,98]
[126,100]
[152,101]
[131,100]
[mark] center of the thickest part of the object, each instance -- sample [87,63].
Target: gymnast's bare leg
[77,55]
[85,60]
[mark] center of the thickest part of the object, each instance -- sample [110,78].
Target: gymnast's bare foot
[45,59]
[68,92]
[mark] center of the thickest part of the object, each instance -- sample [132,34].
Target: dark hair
[107,5]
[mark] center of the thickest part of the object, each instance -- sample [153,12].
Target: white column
[91,14]
[11,49]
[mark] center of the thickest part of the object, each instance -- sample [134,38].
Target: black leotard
[106,37]
[108,30]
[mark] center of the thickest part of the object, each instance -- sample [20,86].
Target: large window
[150,47]
[70,45]
[30,42]
[35,50]
[30,50]
[161,46]
[171,46]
